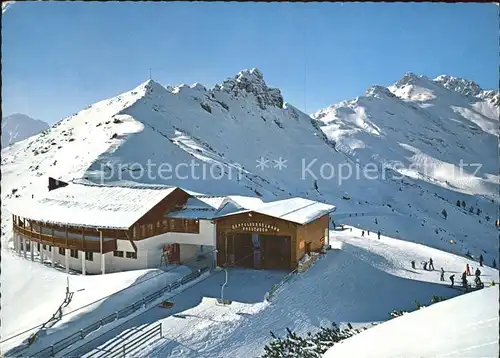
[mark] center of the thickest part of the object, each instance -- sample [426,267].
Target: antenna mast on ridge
[150,75]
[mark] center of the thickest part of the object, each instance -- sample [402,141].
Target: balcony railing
[80,244]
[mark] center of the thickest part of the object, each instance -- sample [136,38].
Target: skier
[363,233]
[477,273]
[334,225]
[431,264]
[478,282]
[467,270]
[442,274]
[413,264]
[481,259]
[452,279]
[376,222]
[494,264]
[368,232]
[378,234]
[424,263]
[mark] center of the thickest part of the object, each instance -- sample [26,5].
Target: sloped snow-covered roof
[195,209]
[246,202]
[209,207]
[213,201]
[96,206]
[298,210]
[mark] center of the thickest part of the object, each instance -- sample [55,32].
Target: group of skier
[368,231]
[427,266]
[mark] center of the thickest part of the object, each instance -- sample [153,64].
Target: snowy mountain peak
[460,85]
[409,79]
[150,86]
[379,92]
[252,82]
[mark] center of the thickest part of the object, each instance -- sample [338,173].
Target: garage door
[237,247]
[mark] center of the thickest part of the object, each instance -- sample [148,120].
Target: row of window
[166,225]
[128,254]
[89,256]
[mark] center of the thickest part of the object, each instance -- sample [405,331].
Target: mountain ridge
[224,132]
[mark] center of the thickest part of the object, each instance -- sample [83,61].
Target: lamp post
[222,288]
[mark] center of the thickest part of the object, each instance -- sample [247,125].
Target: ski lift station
[101,228]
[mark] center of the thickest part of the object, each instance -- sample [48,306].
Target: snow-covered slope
[361,281]
[465,326]
[209,141]
[17,127]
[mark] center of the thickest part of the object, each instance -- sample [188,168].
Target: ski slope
[360,281]
[432,124]
[465,326]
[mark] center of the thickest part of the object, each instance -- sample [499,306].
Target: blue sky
[58,57]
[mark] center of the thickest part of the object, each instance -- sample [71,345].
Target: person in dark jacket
[363,233]
[378,234]
[413,264]
[452,279]
[478,272]
[464,281]
[442,274]
[481,260]
[424,263]
[431,264]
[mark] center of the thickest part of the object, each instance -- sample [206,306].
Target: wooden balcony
[67,243]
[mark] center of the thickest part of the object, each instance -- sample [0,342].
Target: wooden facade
[260,241]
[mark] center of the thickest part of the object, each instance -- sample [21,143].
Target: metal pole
[222,289]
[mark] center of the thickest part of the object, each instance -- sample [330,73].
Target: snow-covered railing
[307,261]
[269,294]
[147,300]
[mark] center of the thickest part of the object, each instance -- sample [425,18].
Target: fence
[83,333]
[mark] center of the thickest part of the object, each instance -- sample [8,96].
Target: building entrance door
[256,251]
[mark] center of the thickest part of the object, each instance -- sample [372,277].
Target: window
[73,253]
[143,230]
[151,229]
[89,256]
[165,224]
[157,224]
[131,255]
[134,232]
[118,253]
[62,251]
